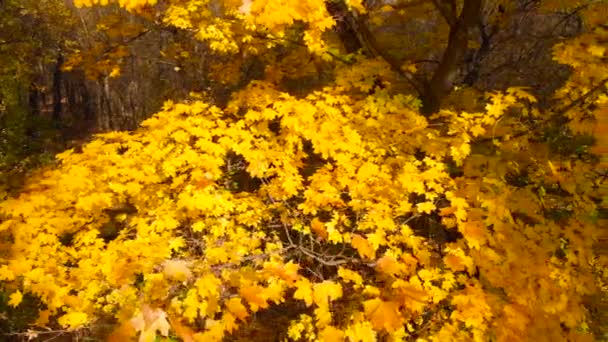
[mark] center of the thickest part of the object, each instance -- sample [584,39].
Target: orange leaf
[387,264]
[447,211]
[318,228]
[454,263]
[182,331]
[331,334]
[251,293]
[289,272]
[362,246]
[124,332]
[237,308]
[412,297]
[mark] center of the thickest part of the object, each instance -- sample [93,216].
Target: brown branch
[447,9]
[356,35]
[395,64]
[582,98]
[445,74]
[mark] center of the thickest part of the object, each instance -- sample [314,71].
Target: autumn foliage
[349,209]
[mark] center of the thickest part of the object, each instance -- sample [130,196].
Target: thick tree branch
[445,74]
[473,72]
[447,9]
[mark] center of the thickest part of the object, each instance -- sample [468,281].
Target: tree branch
[447,11]
[445,74]
[582,98]
[356,35]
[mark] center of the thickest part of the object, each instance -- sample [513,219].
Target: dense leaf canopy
[377,201]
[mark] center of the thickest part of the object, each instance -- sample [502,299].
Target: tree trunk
[443,78]
[345,27]
[57,83]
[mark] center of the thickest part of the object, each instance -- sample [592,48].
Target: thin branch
[14,41]
[582,98]
[368,40]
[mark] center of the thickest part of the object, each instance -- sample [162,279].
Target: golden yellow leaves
[600,131]
[318,228]
[150,321]
[254,296]
[331,334]
[236,307]
[325,292]
[383,314]
[130,5]
[301,327]
[426,207]
[349,276]
[6,273]
[73,319]
[389,265]
[363,246]
[321,294]
[472,307]
[338,176]
[304,291]
[15,298]
[457,261]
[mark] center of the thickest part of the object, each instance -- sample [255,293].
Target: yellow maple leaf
[457,260]
[388,265]
[43,318]
[73,319]
[411,294]
[361,331]
[325,292]
[6,273]
[216,255]
[15,298]
[426,207]
[331,334]
[383,315]
[303,291]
